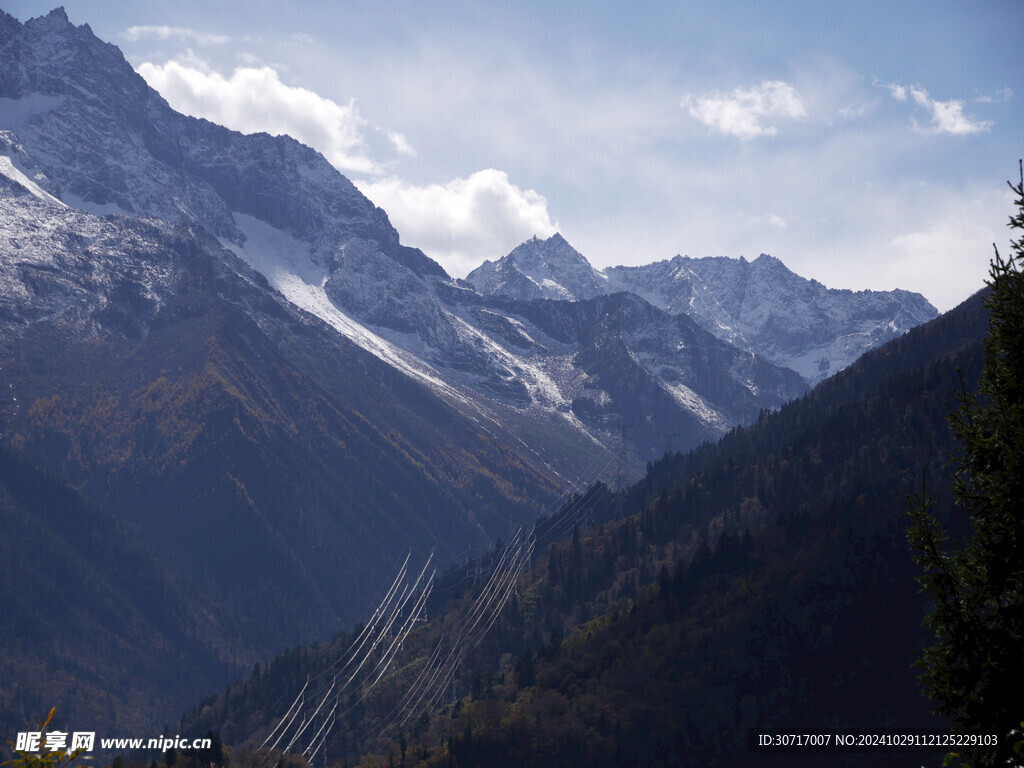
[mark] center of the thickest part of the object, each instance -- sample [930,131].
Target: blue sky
[866,148]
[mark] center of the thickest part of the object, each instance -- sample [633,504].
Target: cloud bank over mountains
[638,136]
[253,100]
[459,221]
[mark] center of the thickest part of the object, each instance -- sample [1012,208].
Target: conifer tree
[975,671]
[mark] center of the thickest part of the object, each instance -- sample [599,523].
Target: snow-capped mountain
[540,269]
[760,306]
[88,131]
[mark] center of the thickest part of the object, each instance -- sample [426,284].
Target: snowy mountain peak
[540,269]
[107,143]
[57,25]
[555,240]
[767,308]
[55,19]
[766,261]
[759,305]
[550,254]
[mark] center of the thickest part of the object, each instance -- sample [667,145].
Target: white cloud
[255,100]
[401,144]
[464,221]
[899,92]
[459,223]
[748,112]
[1001,96]
[134,34]
[946,116]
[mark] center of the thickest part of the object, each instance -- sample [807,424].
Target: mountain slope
[170,350]
[87,130]
[761,584]
[83,602]
[660,378]
[280,467]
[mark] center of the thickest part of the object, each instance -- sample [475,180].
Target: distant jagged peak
[554,252]
[556,240]
[57,16]
[540,269]
[763,306]
[56,22]
[58,13]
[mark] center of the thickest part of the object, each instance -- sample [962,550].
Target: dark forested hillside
[760,583]
[894,398]
[258,456]
[84,602]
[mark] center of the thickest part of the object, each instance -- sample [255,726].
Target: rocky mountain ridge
[759,305]
[89,131]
